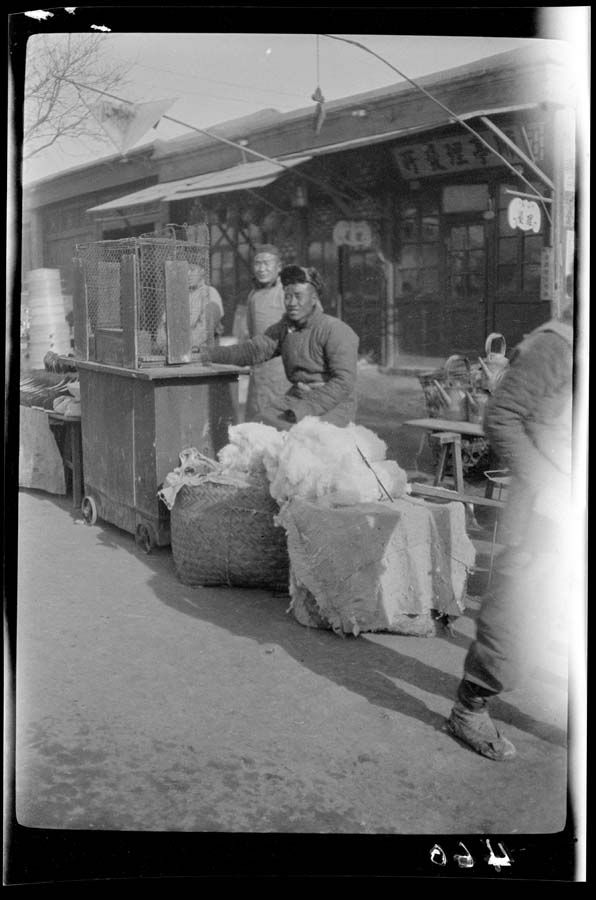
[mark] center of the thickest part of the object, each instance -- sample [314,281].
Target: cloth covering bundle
[377,566]
[40,462]
[193,468]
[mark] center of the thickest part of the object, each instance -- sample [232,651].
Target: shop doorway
[362,291]
[466,286]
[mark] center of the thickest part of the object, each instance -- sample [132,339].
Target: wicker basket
[456,392]
[223,534]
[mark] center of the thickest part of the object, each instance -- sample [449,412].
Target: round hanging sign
[524,214]
[353,234]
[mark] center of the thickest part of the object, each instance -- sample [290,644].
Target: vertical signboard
[563,231]
[547,275]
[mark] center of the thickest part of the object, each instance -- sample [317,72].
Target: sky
[216,77]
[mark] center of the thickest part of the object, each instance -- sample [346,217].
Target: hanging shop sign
[568,209]
[569,251]
[125,123]
[524,214]
[352,234]
[444,156]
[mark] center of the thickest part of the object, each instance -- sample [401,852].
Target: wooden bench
[432,492]
[449,434]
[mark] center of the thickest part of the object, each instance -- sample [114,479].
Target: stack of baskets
[460,391]
[48,328]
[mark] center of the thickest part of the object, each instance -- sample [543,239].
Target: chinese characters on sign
[459,153]
[353,234]
[524,214]
[547,274]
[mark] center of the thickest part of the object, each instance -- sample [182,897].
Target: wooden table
[449,433]
[467,429]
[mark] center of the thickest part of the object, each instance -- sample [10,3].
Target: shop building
[428,241]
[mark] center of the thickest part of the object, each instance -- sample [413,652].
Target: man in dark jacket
[529,426]
[319,353]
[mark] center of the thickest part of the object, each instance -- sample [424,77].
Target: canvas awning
[243,177]
[237,178]
[138,198]
[258,174]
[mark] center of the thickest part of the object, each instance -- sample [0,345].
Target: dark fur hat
[302,275]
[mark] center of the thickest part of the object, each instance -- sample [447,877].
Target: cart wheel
[89,510]
[144,538]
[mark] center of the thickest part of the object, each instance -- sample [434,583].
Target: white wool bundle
[248,442]
[319,460]
[370,443]
[365,486]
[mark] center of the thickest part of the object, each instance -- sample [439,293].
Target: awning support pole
[446,109]
[339,198]
[513,146]
[529,196]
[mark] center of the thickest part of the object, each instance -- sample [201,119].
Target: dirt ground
[146,705]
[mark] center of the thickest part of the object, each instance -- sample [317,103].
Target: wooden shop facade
[427,239]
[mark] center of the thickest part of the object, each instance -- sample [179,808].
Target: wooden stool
[450,441]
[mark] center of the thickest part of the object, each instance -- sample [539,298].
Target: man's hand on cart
[204,357]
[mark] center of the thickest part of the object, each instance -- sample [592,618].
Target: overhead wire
[202,94]
[219,81]
[339,196]
[446,109]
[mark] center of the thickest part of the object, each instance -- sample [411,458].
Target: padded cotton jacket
[529,418]
[528,423]
[320,359]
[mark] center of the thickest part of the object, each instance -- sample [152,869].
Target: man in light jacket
[265,307]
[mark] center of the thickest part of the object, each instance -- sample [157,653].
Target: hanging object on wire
[125,123]
[319,99]
[320,113]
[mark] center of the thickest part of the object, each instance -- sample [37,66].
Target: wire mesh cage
[107,302]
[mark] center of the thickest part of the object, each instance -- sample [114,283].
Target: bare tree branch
[56,108]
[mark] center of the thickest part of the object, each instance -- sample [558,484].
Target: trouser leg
[513,618]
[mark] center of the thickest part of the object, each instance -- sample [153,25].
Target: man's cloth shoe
[478,731]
